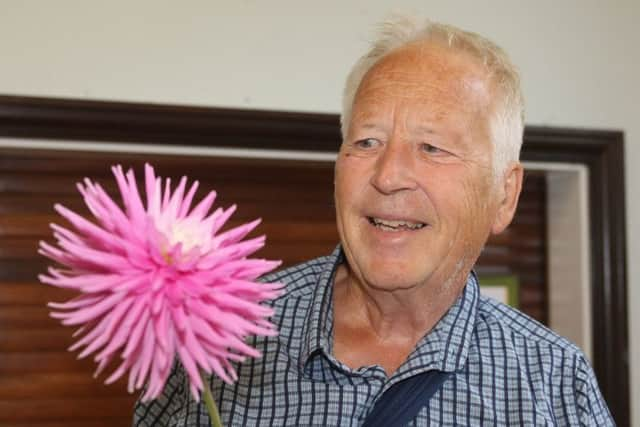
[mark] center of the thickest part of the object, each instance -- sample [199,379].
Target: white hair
[507,122]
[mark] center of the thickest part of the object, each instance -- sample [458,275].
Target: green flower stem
[210,403]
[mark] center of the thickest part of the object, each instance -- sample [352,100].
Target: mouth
[395,225]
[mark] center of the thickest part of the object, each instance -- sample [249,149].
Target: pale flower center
[190,233]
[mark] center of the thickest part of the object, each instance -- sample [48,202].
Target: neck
[373,326]
[390,312]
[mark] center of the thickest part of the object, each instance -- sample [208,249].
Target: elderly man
[390,329]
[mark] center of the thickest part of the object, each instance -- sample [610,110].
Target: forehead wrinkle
[433,89]
[368,115]
[370,107]
[430,70]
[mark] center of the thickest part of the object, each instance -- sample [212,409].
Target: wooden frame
[600,151]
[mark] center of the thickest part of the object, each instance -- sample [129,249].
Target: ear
[508,194]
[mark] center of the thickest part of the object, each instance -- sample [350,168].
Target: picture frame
[503,288]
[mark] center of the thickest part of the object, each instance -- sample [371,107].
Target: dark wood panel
[61,408]
[12,294]
[21,270]
[42,362]
[72,422]
[26,203]
[36,225]
[75,384]
[19,317]
[58,339]
[18,248]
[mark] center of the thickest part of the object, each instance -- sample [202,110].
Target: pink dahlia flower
[159,280]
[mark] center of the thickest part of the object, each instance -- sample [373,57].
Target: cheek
[346,177]
[477,207]
[465,204]
[350,175]
[340,180]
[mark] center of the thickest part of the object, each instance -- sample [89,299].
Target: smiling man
[416,197]
[390,329]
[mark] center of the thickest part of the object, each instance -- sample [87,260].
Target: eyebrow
[371,126]
[421,129]
[426,129]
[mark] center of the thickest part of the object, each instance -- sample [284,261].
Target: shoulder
[301,279]
[518,328]
[555,368]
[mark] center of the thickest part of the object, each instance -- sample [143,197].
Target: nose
[395,168]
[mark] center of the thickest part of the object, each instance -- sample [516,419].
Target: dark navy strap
[402,401]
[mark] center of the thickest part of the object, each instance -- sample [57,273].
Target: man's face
[413,180]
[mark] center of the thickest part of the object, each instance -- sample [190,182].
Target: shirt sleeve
[591,408]
[160,412]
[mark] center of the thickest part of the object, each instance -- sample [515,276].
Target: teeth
[390,225]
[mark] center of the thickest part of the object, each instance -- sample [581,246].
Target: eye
[432,149]
[367,143]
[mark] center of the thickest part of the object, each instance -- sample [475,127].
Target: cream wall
[580,61]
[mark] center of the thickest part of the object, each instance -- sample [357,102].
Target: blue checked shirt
[508,369]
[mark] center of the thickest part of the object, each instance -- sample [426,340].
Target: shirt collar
[445,347]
